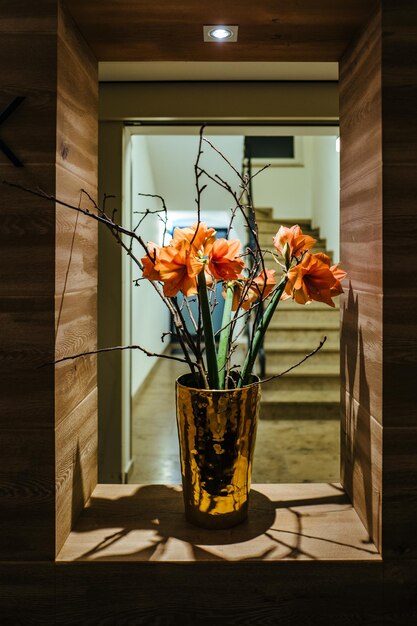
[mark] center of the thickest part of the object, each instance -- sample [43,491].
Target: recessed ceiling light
[220,32]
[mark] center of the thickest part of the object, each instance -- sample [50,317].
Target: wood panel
[54,133]
[76,276]
[76,464]
[28,62]
[248,594]
[361,220]
[173,31]
[286,522]
[27,494]
[361,462]
[399,102]
[361,347]
[27,593]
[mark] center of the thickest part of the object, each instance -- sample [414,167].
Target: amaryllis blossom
[337,272]
[313,279]
[173,270]
[251,291]
[265,283]
[149,262]
[295,240]
[199,234]
[223,262]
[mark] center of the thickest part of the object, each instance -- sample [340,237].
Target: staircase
[312,390]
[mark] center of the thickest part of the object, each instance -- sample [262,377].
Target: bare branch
[132,347]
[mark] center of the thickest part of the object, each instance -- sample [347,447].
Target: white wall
[173,158]
[150,318]
[310,191]
[325,190]
[286,189]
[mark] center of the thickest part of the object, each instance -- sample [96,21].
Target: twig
[132,347]
[163,210]
[319,347]
[199,189]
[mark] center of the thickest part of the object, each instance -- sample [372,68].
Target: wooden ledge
[286,523]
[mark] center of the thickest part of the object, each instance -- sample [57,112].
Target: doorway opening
[300,186]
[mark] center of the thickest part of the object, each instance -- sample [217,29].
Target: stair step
[313,306]
[290,410]
[297,381]
[278,365]
[263,213]
[307,319]
[307,395]
[272,226]
[291,338]
[279,360]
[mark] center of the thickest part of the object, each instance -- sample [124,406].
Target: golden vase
[217,431]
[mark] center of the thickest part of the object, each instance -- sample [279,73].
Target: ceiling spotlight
[219,32]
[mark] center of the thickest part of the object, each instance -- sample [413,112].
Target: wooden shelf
[287,522]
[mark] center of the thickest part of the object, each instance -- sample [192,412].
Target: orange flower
[337,272]
[295,240]
[313,279]
[262,285]
[149,270]
[173,269]
[265,283]
[202,239]
[223,262]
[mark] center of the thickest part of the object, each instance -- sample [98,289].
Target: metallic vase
[217,431]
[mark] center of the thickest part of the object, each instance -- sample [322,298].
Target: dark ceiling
[172,30]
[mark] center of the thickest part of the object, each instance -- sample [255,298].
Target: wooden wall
[361,228]
[27,230]
[378,99]
[75,278]
[48,420]
[48,299]
[399,151]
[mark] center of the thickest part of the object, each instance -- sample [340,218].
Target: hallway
[287,451]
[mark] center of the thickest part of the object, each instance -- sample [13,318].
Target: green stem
[225,335]
[212,372]
[259,334]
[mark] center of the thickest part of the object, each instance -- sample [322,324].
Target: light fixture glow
[338,144]
[220,33]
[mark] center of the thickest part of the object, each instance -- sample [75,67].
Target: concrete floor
[286,450]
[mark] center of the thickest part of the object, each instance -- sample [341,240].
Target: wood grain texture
[279,31]
[54,133]
[27,494]
[361,220]
[76,276]
[361,227]
[251,594]
[76,467]
[27,593]
[286,522]
[399,101]
[230,594]
[361,353]
[400,503]
[361,463]
[28,62]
